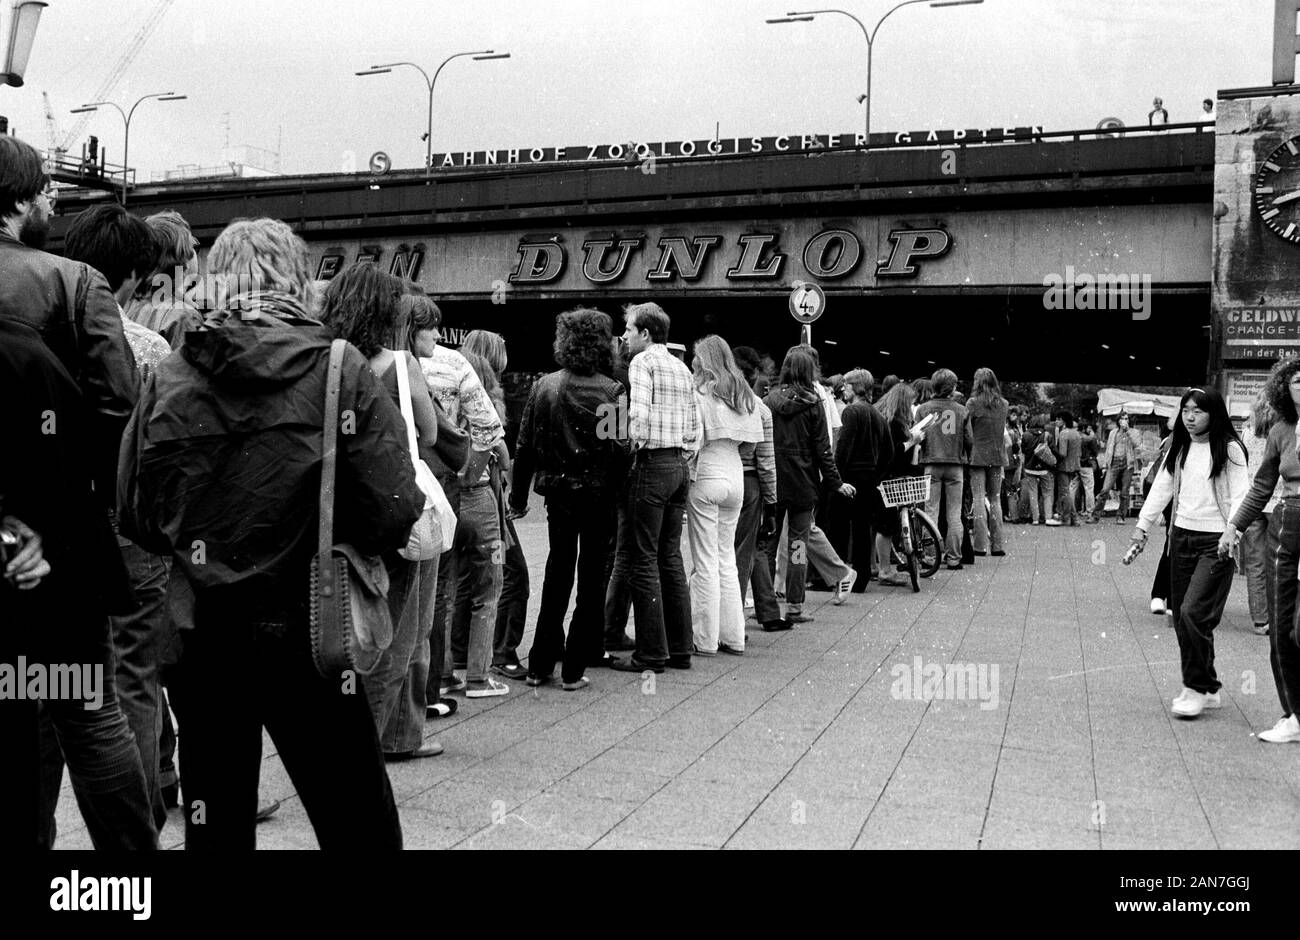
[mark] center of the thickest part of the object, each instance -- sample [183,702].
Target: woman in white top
[729,416]
[1205,478]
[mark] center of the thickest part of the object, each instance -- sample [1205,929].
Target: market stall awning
[1112,401]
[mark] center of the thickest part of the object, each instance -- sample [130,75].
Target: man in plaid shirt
[664,431]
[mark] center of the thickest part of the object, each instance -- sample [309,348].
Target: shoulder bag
[351,626]
[434,530]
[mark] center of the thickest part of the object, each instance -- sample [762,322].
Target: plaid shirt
[661,410]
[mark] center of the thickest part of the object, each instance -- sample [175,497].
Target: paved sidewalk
[812,740]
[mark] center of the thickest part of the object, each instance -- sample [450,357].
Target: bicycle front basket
[905,491]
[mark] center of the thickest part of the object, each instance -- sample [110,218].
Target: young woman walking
[1204,478]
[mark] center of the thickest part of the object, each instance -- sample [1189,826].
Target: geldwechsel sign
[1259,332]
[788,143]
[963,251]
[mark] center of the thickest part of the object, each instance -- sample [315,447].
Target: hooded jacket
[220,465]
[802,446]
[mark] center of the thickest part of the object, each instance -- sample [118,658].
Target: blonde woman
[729,417]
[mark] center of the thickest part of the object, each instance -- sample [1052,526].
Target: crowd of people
[165,512]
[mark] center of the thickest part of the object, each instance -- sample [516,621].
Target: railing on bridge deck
[1140,157]
[75,171]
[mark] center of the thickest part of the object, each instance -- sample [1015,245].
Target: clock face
[1277,191]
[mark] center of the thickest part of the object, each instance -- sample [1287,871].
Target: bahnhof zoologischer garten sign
[721,146]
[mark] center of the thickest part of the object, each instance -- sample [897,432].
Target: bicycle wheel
[927,546]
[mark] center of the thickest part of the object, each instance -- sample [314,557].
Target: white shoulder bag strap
[404,397]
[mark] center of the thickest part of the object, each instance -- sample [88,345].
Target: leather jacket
[70,306]
[570,437]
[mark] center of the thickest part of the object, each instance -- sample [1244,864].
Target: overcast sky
[594,71]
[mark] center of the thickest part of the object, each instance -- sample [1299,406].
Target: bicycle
[917,544]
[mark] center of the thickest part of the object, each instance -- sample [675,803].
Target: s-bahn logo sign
[830,255]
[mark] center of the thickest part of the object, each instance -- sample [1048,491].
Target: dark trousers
[796,569]
[1283,636]
[618,592]
[652,526]
[857,514]
[754,554]
[137,646]
[1199,582]
[578,525]
[36,737]
[322,729]
[512,608]
[1160,583]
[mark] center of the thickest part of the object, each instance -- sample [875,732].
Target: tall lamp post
[126,117]
[480,56]
[805,16]
[24,17]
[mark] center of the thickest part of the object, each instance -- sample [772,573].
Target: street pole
[803,16]
[432,83]
[126,134]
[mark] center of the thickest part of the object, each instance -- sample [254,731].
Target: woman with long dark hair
[801,442]
[987,413]
[1280,463]
[1204,478]
[363,306]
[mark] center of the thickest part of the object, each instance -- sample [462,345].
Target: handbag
[351,626]
[1044,454]
[434,530]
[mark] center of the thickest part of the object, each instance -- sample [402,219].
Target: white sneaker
[488,689]
[1157,606]
[1053,522]
[1190,703]
[1284,732]
[844,587]
[1212,700]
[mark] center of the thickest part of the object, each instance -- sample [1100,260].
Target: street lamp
[23,20]
[126,117]
[480,56]
[804,16]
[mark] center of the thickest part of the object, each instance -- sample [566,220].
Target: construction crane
[110,83]
[52,134]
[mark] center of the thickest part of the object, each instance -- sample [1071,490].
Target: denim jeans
[754,554]
[946,482]
[1199,582]
[618,592]
[137,646]
[386,687]
[239,677]
[821,554]
[1037,488]
[1088,484]
[717,614]
[512,608]
[1067,489]
[1255,554]
[1283,637]
[479,559]
[1121,477]
[796,566]
[578,525]
[652,528]
[986,483]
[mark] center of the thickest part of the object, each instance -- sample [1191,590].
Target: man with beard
[67,303]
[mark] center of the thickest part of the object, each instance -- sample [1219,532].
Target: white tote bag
[434,531]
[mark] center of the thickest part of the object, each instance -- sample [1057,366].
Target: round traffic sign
[807,302]
[380,162]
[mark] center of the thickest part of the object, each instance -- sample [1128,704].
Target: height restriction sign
[807,302]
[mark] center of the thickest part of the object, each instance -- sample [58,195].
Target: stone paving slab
[822,737]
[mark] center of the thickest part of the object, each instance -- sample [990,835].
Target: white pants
[716,611]
[821,556]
